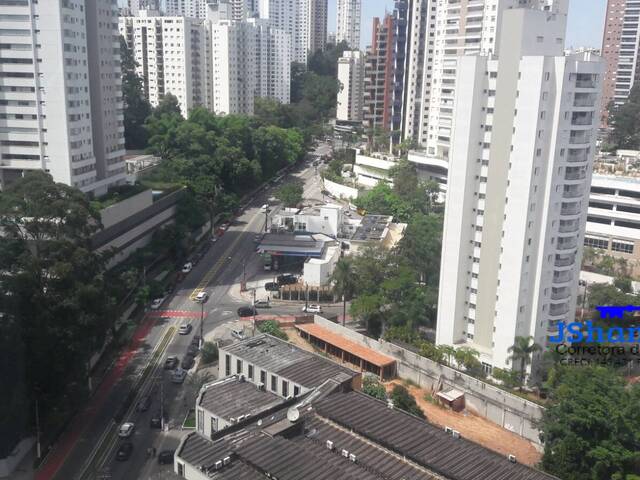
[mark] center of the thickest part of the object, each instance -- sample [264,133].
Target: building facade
[170,53]
[620,52]
[60,93]
[186,8]
[348,22]
[378,76]
[351,79]
[248,60]
[523,141]
[316,25]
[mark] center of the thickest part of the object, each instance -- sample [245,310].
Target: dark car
[192,350]
[144,404]
[124,451]
[247,311]
[171,362]
[156,421]
[187,362]
[271,287]
[165,457]
[195,340]
[287,279]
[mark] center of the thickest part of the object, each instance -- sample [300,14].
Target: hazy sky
[586,20]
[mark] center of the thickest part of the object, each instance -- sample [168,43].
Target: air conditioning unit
[345,453]
[226,460]
[352,457]
[218,464]
[261,386]
[512,458]
[329,444]
[448,429]
[390,404]
[455,433]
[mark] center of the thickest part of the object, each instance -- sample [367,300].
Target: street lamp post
[253,311]
[201,324]
[266,219]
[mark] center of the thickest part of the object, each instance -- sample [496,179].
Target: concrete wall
[340,191]
[124,209]
[509,411]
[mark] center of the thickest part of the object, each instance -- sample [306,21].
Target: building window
[596,242]
[622,247]
[250,372]
[263,377]
[238,366]
[274,383]
[296,390]
[227,365]
[285,388]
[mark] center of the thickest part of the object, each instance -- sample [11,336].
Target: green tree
[509,378]
[343,281]
[136,107]
[272,328]
[624,121]
[467,357]
[209,352]
[521,352]
[403,400]
[590,427]
[290,194]
[371,386]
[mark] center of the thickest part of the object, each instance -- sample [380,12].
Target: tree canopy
[136,106]
[403,400]
[625,122]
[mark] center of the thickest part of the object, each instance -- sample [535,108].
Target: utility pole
[201,324]
[161,404]
[243,286]
[266,219]
[253,306]
[344,309]
[38,446]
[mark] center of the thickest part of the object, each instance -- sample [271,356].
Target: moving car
[287,279]
[178,375]
[185,329]
[187,267]
[165,457]
[144,404]
[247,311]
[157,303]
[126,430]
[271,287]
[124,451]
[187,362]
[202,297]
[263,303]
[156,421]
[312,308]
[171,362]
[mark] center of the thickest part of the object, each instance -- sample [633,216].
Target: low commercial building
[377,229]
[335,434]
[282,368]
[373,168]
[317,271]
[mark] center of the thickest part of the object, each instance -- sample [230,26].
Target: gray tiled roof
[231,398]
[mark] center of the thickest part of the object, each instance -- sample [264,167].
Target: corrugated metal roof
[232,398]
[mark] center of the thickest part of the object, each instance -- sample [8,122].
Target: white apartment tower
[60,93]
[348,22]
[351,80]
[522,146]
[171,56]
[248,60]
[186,8]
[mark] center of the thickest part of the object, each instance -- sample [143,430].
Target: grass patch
[190,419]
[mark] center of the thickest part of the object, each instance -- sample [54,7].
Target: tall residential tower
[348,22]
[351,78]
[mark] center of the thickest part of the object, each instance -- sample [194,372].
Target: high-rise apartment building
[522,147]
[170,53]
[378,76]
[348,22]
[60,93]
[316,25]
[248,60]
[351,79]
[186,8]
[620,52]
[134,6]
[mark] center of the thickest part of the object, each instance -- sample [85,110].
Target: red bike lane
[69,438]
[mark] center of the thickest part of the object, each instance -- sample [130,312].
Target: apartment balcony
[561,261]
[557,310]
[577,155]
[570,192]
[560,293]
[569,226]
[566,244]
[563,276]
[579,137]
[582,100]
[579,174]
[585,80]
[582,119]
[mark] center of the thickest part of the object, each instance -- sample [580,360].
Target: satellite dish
[293,414]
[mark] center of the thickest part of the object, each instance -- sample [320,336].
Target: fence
[501,407]
[340,191]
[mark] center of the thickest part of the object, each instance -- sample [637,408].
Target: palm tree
[343,282]
[448,351]
[521,351]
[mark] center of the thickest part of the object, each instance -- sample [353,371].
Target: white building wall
[351,84]
[291,16]
[348,22]
[516,213]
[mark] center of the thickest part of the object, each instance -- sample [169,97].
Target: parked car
[264,208]
[187,267]
[312,308]
[185,329]
[178,375]
[214,238]
[165,457]
[257,238]
[224,226]
[195,340]
[271,287]
[126,430]
[247,311]
[144,403]
[202,297]
[157,303]
[262,303]
[287,279]
[187,362]
[156,420]
[124,451]
[171,362]
[193,350]
[238,333]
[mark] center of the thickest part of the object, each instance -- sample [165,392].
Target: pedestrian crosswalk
[174,313]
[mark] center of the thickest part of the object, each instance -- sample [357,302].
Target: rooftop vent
[352,457]
[448,429]
[345,453]
[260,386]
[512,458]
[455,433]
[329,444]
[218,465]
[226,460]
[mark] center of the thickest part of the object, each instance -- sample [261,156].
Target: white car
[202,297]
[185,329]
[264,303]
[126,430]
[187,267]
[157,303]
[313,308]
[264,208]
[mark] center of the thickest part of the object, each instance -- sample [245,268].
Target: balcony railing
[569,227]
[581,175]
[581,121]
[562,277]
[576,139]
[563,262]
[560,294]
[573,193]
[584,102]
[580,156]
[567,244]
[585,83]
[556,310]
[571,209]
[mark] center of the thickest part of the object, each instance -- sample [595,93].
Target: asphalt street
[93,454]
